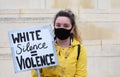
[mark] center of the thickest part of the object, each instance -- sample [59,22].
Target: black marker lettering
[15,39]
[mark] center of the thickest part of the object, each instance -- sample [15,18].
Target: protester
[71,53]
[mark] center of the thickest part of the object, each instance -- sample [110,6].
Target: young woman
[68,44]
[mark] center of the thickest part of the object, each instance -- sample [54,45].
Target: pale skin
[63,22]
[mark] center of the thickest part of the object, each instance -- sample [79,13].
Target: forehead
[62,19]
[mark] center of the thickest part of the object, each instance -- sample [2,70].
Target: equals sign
[33,53]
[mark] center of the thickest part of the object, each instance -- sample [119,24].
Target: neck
[63,43]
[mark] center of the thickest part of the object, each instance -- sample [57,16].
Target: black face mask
[62,33]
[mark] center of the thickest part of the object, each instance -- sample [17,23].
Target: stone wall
[98,22]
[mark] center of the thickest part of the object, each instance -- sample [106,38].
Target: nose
[61,26]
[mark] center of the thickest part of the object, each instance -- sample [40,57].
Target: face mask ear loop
[71,34]
[71,28]
[71,39]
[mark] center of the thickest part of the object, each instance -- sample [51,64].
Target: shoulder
[83,47]
[83,50]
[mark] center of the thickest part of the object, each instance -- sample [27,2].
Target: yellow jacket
[68,66]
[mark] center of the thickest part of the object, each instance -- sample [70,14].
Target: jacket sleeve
[33,73]
[81,66]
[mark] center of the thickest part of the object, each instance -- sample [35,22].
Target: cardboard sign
[33,48]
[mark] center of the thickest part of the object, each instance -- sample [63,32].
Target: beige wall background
[98,22]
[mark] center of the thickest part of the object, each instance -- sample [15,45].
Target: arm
[33,73]
[81,67]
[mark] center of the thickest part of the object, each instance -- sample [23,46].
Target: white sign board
[33,48]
